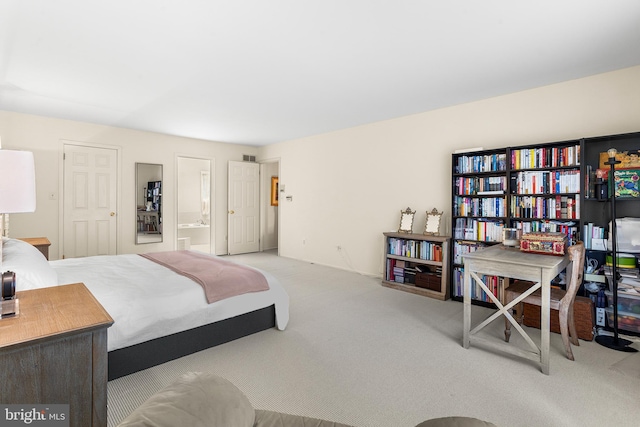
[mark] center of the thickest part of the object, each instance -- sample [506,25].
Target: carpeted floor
[369,356]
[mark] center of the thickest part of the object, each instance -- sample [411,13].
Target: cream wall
[348,187]
[44,137]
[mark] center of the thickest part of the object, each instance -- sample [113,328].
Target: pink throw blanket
[220,279]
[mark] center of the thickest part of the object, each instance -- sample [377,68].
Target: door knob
[232,212]
[112,214]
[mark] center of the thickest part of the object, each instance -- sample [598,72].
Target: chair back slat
[577,255]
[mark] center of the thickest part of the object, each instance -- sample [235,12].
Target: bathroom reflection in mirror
[432,225]
[148,203]
[406,221]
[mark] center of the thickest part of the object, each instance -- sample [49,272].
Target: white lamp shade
[17,182]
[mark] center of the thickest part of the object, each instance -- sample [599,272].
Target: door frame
[61,163]
[212,200]
[265,200]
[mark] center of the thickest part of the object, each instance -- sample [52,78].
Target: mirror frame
[205,192]
[432,224]
[406,221]
[141,185]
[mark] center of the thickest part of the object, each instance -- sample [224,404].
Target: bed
[159,315]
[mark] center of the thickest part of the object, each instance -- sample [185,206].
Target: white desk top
[509,255]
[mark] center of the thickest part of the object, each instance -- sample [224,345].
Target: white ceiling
[257,72]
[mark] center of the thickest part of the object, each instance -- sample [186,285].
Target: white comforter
[147,301]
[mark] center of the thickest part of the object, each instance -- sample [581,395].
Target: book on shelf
[460,249]
[542,207]
[475,185]
[476,229]
[480,207]
[546,182]
[626,182]
[494,283]
[418,249]
[481,163]
[545,157]
[591,234]
[486,193]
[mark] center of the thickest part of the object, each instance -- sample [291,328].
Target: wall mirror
[406,221]
[148,203]
[432,225]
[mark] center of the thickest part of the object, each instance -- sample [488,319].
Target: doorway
[194,211]
[270,205]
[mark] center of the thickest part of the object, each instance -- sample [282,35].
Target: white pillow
[31,267]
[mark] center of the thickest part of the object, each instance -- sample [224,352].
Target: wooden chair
[560,300]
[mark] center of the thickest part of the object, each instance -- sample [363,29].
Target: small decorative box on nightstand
[544,243]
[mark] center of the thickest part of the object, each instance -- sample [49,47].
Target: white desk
[499,260]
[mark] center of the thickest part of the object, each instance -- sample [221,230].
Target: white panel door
[244,208]
[90,193]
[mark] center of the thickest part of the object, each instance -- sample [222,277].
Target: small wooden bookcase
[417,263]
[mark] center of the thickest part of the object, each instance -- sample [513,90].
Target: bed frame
[141,356]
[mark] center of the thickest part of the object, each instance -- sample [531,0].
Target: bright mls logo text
[39,415]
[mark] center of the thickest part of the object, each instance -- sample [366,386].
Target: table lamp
[17,184]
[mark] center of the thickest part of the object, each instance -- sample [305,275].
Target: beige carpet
[629,366]
[361,354]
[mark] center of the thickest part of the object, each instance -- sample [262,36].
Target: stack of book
[629,275]
[401,271]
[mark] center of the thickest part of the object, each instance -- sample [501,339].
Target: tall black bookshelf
[540,187]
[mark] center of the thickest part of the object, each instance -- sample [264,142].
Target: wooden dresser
[55,351]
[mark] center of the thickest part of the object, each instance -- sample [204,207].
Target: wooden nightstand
[55,351]
[42,243]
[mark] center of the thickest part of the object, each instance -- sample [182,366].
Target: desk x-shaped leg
[504,310]
[536,353]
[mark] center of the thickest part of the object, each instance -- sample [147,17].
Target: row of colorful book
[473,206]
[477,293]
[461,249]
[482,163]
[419,249]
[469,186]
[546,182]
[545,157]
[474,229]
[555,207]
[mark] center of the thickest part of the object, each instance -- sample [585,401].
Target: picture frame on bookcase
[628,159]
[406,221]
[432,223]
